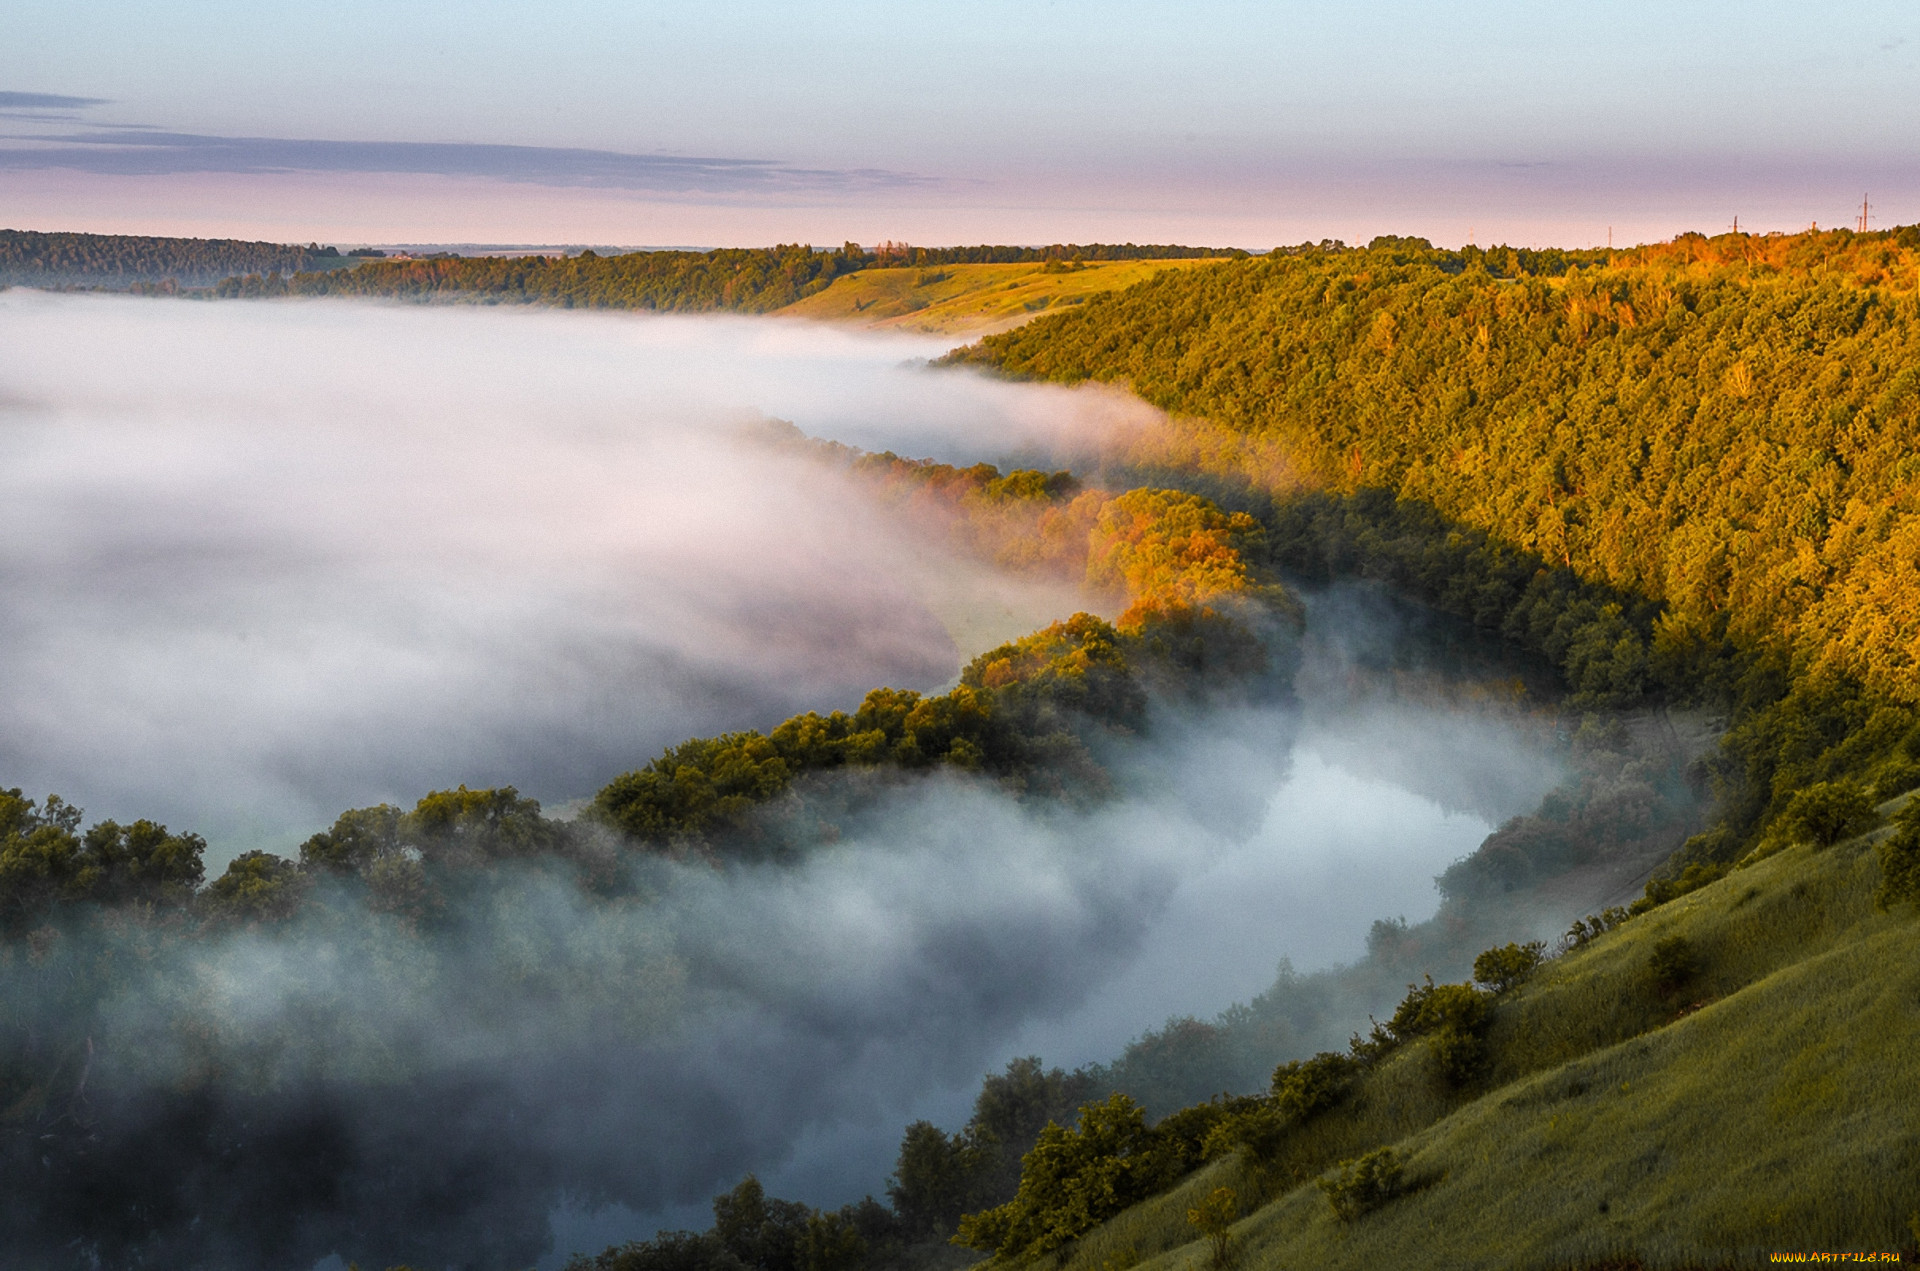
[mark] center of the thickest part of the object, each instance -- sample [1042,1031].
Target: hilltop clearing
[969,300]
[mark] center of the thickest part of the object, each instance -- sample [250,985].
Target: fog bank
[268,561]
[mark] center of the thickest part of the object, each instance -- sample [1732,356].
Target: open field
[970,300]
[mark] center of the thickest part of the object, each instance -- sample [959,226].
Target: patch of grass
[970,300]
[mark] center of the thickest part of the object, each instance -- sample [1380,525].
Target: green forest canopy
[1684,472]
[33,259]
[1721,426]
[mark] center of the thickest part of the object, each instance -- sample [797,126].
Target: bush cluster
[1364,1184]
[1074,1179]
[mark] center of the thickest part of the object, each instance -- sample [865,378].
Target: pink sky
[1496,206]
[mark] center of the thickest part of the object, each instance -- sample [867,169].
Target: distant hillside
[31,259]
[969,299]
[949,283]
[733,280]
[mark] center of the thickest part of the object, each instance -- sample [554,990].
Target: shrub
[1827,812]
[1431,1007]
[1306,1087]
[1364,1185]
[1074,1180]
[1673,964]
[1261,1131]
[1455,1017]
[1593,926]
[1458,1056]
[1214,1217]
[1186,1138]
[1500,969]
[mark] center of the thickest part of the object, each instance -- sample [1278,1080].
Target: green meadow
[970,300]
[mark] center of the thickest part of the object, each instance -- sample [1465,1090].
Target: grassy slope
[1769,1106]
[969,299]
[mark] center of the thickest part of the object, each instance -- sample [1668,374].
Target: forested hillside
[1712,437]
[1722,427]
[1683,473]
[31,259]
[1200,613]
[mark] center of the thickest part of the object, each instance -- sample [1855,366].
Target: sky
[1206,121]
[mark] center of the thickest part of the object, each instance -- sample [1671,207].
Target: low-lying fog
[264,562]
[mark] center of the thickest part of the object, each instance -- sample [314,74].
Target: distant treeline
[1500,261]
[730,279]
[734,279]
[32,259]
[896,255]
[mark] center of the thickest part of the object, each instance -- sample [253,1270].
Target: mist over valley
[271,562]
[276,561]
[963,638]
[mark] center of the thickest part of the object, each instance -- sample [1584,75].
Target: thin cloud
[45,108]
[47,101]
[129,151]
